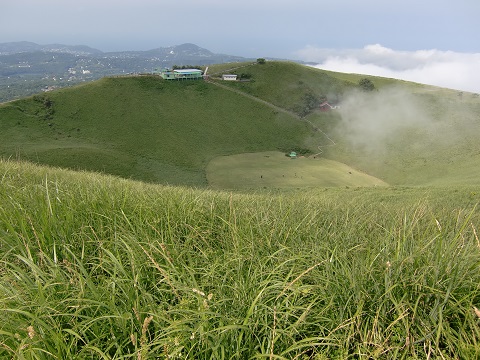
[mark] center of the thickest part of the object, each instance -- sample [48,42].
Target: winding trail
[273,106]
[239,92]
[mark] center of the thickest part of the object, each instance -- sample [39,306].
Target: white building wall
[228,77]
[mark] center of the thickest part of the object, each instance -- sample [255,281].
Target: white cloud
[434,67]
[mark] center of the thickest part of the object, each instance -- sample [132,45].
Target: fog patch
[372,121]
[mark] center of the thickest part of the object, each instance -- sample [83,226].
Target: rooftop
[186,71]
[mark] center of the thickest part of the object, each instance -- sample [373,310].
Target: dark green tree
[366,84]
[245,76]
[310,102]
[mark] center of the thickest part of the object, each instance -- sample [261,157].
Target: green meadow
[275,170]
[146,219]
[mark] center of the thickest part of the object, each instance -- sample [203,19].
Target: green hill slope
[286,84]
[413,135]
[149,129]
[403,132]
[144,128]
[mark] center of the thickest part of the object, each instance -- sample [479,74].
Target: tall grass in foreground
[97,267]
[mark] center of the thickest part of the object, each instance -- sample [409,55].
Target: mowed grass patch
[272,169]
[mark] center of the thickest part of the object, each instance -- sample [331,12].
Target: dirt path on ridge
[273,106]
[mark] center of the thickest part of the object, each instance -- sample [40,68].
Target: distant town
[27,68]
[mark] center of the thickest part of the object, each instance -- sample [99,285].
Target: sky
[430,41]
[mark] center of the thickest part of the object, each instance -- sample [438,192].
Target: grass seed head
[31,332]
[477,312]
[199,292]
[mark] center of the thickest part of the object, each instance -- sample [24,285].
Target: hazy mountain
[177,55]
[177,52]
[27,68]
[26,46]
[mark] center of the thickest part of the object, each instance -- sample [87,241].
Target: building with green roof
[181,74]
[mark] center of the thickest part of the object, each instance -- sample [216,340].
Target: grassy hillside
[144,128]
[286,84]
[149,129]
[415,135]
[98,267]
[403,132]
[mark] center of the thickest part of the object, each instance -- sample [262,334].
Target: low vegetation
[99,267]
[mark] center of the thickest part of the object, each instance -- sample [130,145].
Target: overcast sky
[393,37]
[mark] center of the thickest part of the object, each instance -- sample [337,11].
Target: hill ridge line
[252,97]
[273,106]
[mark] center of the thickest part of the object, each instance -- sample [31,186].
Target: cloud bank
[371,120]
[448,69]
